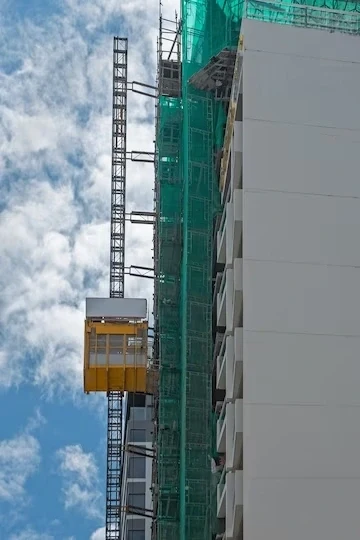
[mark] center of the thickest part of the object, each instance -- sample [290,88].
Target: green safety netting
[169,187]
[208,27]
[190,130]
[329,14]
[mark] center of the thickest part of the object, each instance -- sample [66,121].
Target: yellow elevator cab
[115,349]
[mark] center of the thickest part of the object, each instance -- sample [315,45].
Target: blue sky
[55,152]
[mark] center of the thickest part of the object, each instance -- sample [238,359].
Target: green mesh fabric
[210,27]
[169,186]
[205,31]
[190,131]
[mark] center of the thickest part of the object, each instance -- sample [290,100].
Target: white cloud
[99,534]
[19,460]
[80,481]
[30,534]
[55,162]
[74,460]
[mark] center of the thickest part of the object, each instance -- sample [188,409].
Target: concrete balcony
[229,360]
[229,301]
[234,504]
[234,224]
[221,235]
[217,285]
[237,155]
[238,293]
[221,497]
[221,373]
[234,434]
[238,434]
[221,430]
[229,230]
[225,299]
[219,343]
[238,222]
[221,246]
[221,302]
[234,365]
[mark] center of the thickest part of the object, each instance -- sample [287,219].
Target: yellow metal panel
[120,378]
[115,328]
[86,349]
[104,373]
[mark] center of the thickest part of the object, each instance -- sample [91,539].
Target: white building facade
[287,293]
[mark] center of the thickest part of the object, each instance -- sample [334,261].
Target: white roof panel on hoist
[129,308]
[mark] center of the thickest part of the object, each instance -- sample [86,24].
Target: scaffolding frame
[210,31]
[167,257]
[190,128]
[187,201]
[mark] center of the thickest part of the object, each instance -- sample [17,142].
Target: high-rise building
[287,280]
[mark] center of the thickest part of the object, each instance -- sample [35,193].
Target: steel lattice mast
[117,271]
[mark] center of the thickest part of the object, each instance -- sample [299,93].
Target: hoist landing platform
[116,346]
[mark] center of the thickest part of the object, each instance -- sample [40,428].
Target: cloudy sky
[55,152]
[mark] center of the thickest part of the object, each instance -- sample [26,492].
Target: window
[137,435]
[136,499]
[116,349]
[135,529]
[138,413]
[136,535]
[135,524]
[137,467]
[136,487]
[141,413]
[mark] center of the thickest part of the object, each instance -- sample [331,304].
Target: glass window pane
[135,524]
[101,359]
[136,535]
[116,350]
[137,500]
[116,341]
[116,359]
[101,342]
[137,435]
[136,487]
[138,413]
[137,467]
